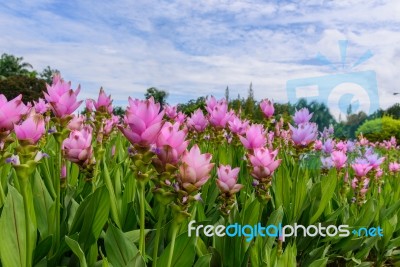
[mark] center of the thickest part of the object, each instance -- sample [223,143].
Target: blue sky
[196,48]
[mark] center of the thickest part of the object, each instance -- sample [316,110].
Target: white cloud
[195,48]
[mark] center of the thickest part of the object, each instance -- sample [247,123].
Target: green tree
[159,96]
[11,65]
[47,74]
[193,105]
[31,88]
[380,129]
[250,102]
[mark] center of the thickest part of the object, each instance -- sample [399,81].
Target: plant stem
[142,221]
[171,251]
[30,220]
[158,233]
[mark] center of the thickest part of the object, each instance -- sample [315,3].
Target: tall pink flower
[78,146]
[76,123]
[219,115]
[40,106]
[394,167]
[61,97]
[11,112]
[197,121]
[255,137]
[361,167]
[237,126]
[171,112]
[302,116]
[104,102]
[304,134]
[227,179]
[171,143]
[144,121]
[339,159]
[264,162]
[267,107]
[195,169]
[30,130]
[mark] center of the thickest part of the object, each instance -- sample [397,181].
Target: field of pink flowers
[99,190]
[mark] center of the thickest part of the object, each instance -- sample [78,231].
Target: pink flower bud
[11,112]
[227,179]
[263,162]
[197,121]
[31,130]
[104,102]
[144,121]
[267,107]
[61,97]
[78,147]
[195,169]
[255,137]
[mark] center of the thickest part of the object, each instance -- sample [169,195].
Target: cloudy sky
[196,48]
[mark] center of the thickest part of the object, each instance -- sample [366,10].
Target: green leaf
[328,185]
[120,250]
[319,263]
[204,261]
[95,217]
[42,202]
[76,249]
[113,200]
[42,249]
[184,252]
[12,231]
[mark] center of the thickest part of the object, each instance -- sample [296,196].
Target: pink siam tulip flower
[89,105]
[264,162]
[171,112]
[144,121]
[197,121]
[354,183]
[211,103]
[304,134]
[361,167]
[237,126]
[378,173]
[255,137]
[227,179]
[328,146]
[350,146]
[267,107]
[341,146]
[78,147]
[61,97]
[339,159]
[302,116]
[76,123]
[104,102]
[180,118]
[11,112]
[374,160]
[108,126]
[394,167]
[41,106]
[318,145]
[171,143]
[363,141]
[327,163]
[63,171]
[195,169]
[30,130]
[219,116]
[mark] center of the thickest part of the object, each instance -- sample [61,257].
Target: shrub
[380,129]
